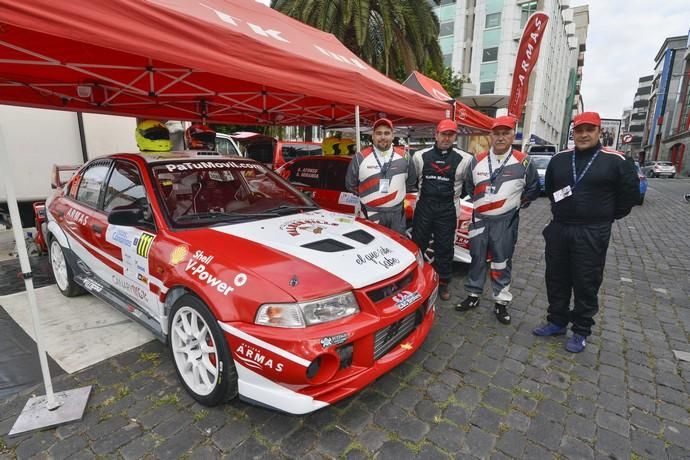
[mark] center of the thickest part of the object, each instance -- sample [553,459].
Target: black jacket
[608,190]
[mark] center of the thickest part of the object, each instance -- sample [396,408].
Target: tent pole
[359,146]
[52,410]
[26,271]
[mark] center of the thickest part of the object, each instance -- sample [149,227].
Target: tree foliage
[449,79]
[393,36]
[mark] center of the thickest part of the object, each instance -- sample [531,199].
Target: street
[477,389]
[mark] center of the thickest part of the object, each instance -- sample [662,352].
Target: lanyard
[385,167]
[494,174]
[576,179]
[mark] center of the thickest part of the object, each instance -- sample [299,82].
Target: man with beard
[589,187]
[380,176]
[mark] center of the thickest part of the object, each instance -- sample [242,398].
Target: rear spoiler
[61,174]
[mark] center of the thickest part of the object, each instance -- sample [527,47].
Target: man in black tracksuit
[589,187]
[440,170]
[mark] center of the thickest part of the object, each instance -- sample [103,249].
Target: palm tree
[391,35]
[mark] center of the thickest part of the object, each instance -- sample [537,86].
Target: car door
[306,175]
[131,245]
[82,221]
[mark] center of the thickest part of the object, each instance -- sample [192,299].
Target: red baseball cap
[383,121]
[446,125]
[586,118]
[505,121]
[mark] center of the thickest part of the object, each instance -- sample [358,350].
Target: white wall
[37,138]
[108,134]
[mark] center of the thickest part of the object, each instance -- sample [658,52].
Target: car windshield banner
[525,60]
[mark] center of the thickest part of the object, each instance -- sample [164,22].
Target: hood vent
[360,236]
[327,245]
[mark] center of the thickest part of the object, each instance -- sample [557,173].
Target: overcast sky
[623,38]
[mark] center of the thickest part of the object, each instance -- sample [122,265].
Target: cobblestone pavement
[477,389]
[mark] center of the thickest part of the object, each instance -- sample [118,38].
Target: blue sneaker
[548,330]
[576,343]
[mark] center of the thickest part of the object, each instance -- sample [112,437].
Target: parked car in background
[322,178]
[256,291]
[226,145]
[659,169]
[541,162]
[274,153]
[643,182]
[542,149]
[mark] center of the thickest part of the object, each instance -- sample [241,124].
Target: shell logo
[178,255]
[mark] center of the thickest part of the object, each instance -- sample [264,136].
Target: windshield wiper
[288,208]
[226,217]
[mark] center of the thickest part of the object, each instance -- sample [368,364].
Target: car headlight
[305,314]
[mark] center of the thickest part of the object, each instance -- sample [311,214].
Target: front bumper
[302,370]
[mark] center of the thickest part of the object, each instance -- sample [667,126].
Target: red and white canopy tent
[470,121]
[226,61]
[223,61]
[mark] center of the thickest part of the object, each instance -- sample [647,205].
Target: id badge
[490,190]
[565,192]
[384,185]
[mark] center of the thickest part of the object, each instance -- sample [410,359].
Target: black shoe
[468,304]
[443,291]
[502,314]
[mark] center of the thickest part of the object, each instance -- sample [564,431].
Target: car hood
[334,242]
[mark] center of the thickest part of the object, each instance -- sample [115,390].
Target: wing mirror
[126,216]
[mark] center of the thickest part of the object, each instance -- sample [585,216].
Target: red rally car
[257,291]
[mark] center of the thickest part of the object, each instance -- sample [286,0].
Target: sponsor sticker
[144,244]
[198,267]
[92,286]
[404,299]
[130,288]
[296,227]
[257,359]
[327,342]
[77,216]
[178,255]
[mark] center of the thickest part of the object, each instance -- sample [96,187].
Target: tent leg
[50,410]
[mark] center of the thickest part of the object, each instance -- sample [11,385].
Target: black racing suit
[441,173]
[577,238]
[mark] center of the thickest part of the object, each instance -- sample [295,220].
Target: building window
[448,60]
[492,20]
[486,87]
[684,122]
[490,54]
[447,2]
[487,72]
[526,10]
[446,13]
[446,28]
[446,44]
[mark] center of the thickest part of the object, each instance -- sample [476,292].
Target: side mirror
[127,217]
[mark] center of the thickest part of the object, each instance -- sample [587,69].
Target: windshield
[664,163]
[201,193]
[541,162]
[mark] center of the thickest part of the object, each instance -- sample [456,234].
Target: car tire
[672,176]
[200,353]
[64,276]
